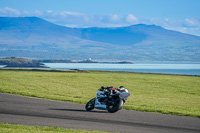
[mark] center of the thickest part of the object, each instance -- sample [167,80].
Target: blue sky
[179,15]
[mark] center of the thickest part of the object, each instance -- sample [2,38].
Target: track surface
[33,111]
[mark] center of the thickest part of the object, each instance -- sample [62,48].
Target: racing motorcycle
[108,98]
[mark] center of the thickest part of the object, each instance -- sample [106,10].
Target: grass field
[169,94]
[10,128]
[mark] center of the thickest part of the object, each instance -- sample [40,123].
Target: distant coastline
[82,61]
[21,62]
[38,63]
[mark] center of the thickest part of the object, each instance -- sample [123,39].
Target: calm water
[188,69]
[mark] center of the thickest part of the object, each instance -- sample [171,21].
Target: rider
[111,89]
[108,92]
[121,88]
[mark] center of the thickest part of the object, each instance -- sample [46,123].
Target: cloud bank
[76,19]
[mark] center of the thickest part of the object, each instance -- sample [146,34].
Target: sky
[178,15]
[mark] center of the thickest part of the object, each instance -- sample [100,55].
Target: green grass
[10,128]
[169,94]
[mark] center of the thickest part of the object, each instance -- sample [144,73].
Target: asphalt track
[33,111]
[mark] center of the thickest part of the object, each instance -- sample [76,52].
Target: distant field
[169,94]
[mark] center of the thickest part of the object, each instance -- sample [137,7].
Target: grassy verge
[10,128]
[169,94]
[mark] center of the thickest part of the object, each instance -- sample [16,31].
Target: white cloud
[115,17]
[72,13]
[49,11]
[67,13]
[192,22]
[9,12]
[38,13]
[166,19]
[131,18]
[189,21]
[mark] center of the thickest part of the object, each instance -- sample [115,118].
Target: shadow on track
[79,110]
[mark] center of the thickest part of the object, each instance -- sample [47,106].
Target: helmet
[122,88]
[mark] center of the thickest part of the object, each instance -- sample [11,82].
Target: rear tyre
[90,105]
[117,106]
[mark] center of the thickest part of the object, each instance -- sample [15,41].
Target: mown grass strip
[169,94]
[11,128]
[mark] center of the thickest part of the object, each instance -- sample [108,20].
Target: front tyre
[90,105]
[117,106]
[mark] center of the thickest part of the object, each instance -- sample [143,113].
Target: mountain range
[33,37]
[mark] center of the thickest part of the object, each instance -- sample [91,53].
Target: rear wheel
[90,105]
[117,106]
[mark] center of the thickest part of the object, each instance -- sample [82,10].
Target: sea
[183,69]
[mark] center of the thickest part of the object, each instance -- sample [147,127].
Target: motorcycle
[108,98]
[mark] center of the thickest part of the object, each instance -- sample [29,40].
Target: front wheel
[117,106]
[90,105]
